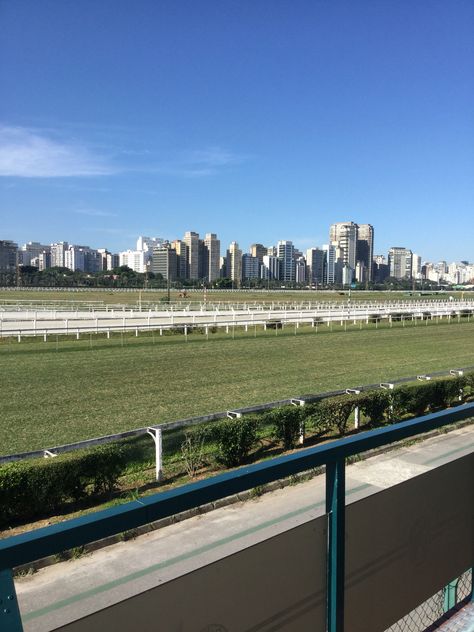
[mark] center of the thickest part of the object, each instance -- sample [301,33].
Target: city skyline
[263,119]
[348,257]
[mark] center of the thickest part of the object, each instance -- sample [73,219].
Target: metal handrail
[25,548]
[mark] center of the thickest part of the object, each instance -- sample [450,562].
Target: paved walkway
[462,621]
[125,569]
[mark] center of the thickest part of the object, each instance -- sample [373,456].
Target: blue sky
[256,119]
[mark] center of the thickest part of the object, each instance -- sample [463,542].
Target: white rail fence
[62,322]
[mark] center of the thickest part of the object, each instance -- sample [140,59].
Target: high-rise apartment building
[31,251]
[416,266]
[108,260]
[234,263]
[316,263]
[250,267]
[136,260]
[365,251]
[181,258]
[400,262]
[259,251]
[191,239]
[148,243]
[213,248]
[354,244]
[82,258]
[286,255]
[300,270]
[343,236]
[270,268]
[330,270]
[8,255]
[57,254]
[164,261]
[380,268]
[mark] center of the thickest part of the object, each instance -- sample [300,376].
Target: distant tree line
[125,277]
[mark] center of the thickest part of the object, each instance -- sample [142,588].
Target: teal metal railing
[28,547]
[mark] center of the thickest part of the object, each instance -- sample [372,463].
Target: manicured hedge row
[236,438]
[42,486]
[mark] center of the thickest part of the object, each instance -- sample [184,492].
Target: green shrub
[286,422]
[331,413]
[235,439]
[412,399]
[375,405]
[41,486]
[469,384]
[192,452]
[417,399]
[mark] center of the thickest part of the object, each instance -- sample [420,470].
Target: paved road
[122,570]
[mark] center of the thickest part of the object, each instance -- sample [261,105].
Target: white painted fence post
[156,435]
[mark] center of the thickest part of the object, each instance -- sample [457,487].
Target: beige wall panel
[278,584]
[405,543]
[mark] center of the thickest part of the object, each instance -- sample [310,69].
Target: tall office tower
[213,247]
[272,251]
[191,240]
[286,255]
[234,263]
[270,268]
[330,264]
[182,258]
[400,262]
[343,236]
[164,261]
[259,251]
[250,267]
[57,254]
[8,255]
[365,251]
[416,266]
[316,263]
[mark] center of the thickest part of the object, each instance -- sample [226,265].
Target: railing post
[10,619]
[335,508]
[450,595]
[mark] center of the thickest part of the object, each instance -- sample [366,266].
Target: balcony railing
[26,548]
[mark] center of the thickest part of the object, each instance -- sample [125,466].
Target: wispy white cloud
[46,153]
[93,212]
[212,157]
[27,153]
[199,163]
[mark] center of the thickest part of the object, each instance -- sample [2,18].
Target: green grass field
[67,390]
[132,298]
